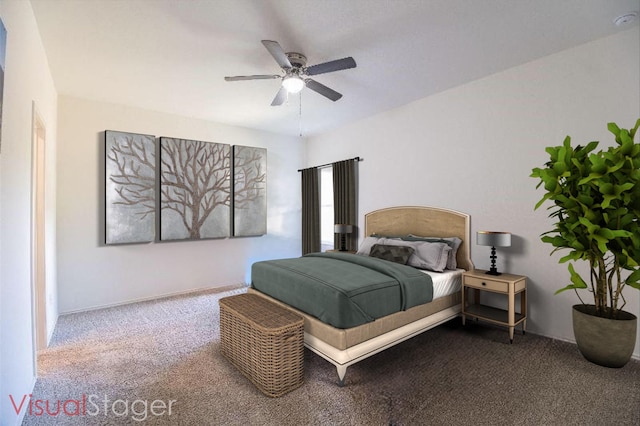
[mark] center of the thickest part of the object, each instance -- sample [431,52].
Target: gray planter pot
[604,341]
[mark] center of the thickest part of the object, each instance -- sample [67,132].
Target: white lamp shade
[494,239]
[293,84]
[341,228]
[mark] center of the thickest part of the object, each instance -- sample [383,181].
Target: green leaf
[630,260]
[632,132]
[591,228]
[550,185]
[606,233]
[613,128]
[545,198]
[617,166]
[591,146]
[634,277]
[559,167]
[576,279]
[606,188]
[556,241]
[601,243]
[569,287]
[585,200]
[535,173]
[562,153]
[619,233]
[619,189]
[574,255]
[577,245]
[607,201]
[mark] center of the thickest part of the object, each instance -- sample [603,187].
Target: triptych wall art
[194,186]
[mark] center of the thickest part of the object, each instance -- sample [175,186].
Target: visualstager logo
[92,405]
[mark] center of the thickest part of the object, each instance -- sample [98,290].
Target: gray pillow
[453,242]
[368,242]
[426,255]
[397,254]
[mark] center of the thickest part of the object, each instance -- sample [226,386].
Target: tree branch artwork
[249,191]
[130,187]
[195,189]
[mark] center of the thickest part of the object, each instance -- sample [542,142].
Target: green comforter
[341,289]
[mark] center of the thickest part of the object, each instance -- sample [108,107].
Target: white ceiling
[172,55]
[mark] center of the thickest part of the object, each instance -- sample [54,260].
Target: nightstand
[508,284]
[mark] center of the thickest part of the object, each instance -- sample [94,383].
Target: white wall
[472,149]
[27,80]
[92,275]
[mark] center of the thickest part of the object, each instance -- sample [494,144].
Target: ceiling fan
[296,73]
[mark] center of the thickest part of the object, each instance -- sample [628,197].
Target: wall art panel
[195,189]
[249,191]
[3,49]
[130,186]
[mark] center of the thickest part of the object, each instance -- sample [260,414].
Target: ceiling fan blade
[323,90]
[281,96]
[331,66]
[278,53]
[252,77]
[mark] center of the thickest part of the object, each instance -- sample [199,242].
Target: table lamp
[343,230]
[493,239]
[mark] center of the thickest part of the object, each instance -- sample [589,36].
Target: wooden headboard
[425,222]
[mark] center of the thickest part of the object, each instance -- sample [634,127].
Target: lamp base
[493,270]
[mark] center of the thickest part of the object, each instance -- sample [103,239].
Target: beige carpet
[452,375]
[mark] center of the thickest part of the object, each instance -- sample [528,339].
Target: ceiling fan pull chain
[300,116]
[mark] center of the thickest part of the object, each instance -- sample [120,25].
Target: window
[326,209]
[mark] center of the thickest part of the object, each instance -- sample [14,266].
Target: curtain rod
[329,164]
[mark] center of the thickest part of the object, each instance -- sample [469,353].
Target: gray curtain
[310,211]
[345,200]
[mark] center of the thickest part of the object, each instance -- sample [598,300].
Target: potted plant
[596,208]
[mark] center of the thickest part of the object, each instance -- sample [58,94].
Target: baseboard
[634,355]
[50,334]
[161,296]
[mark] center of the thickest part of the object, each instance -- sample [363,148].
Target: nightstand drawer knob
[483,283]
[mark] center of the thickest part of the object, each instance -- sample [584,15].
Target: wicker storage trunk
[264,341]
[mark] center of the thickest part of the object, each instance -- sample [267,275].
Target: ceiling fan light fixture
[293,83]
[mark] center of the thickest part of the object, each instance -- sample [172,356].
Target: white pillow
[365,247]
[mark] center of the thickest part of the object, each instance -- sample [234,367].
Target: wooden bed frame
[422,221]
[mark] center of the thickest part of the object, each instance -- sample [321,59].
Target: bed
[344,347]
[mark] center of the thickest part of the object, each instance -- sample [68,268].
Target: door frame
[38,234]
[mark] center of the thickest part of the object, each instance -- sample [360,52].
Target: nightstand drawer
[486,284]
